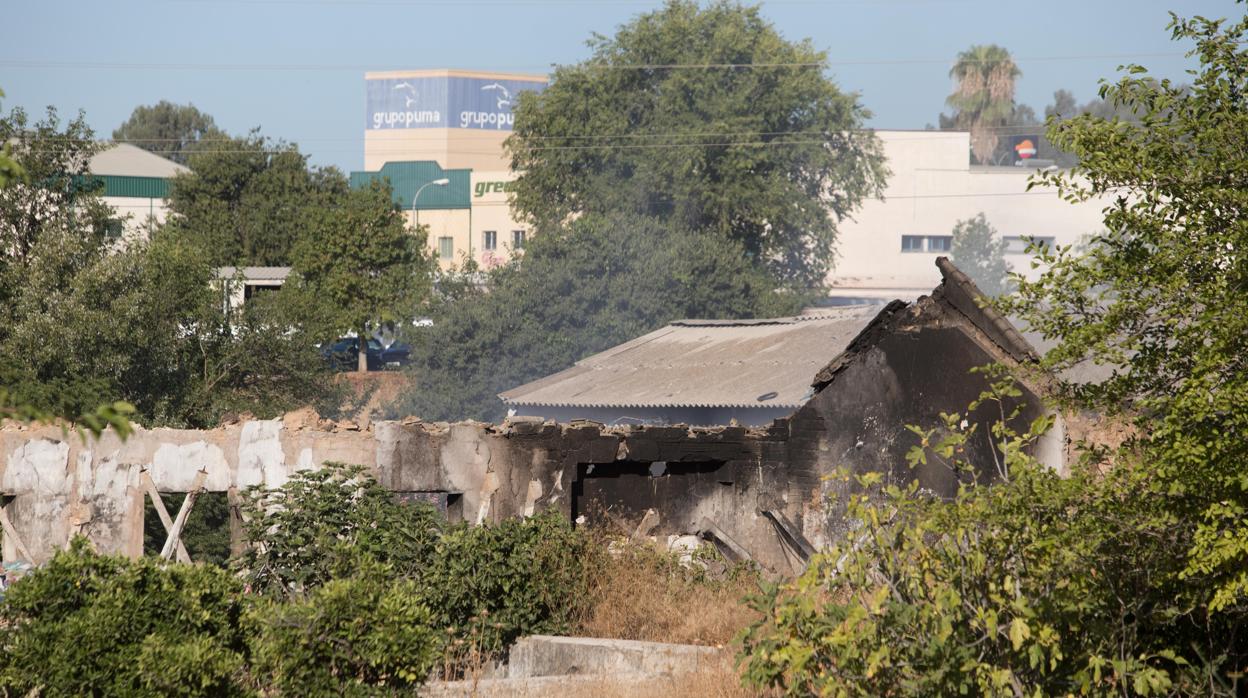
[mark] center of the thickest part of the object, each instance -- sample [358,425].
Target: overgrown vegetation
[344,589]
[99,311]
[641,591]
[1130,577]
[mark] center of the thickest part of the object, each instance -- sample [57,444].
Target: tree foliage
[1037,585]
[980,252]
[10,169]
[87,624]
[760,150]
[171,131]
[361,266]
[323,523]
[602,281]
[1157,295]
[361,635]
[88,319]
[249,200]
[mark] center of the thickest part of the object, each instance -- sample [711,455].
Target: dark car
[343,355]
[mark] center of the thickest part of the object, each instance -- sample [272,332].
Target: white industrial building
[136,185]
[888,248]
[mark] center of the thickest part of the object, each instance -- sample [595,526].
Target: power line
[36,64]
[405,146]
[411,135]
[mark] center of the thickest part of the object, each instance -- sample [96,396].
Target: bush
[483,586]
[325,523]
[354,636]
[1037,585]
[87,624]
[490,585]
[354,593]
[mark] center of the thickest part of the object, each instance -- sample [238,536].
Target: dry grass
[640,592]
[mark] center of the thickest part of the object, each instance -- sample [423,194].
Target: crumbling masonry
[768,494]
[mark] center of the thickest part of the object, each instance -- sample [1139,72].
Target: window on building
[911,243]
[939,243]
[446,248]
[1017,244]
[517,239]
[489,240]
[114,229]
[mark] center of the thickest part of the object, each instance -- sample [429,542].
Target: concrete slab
[548,655]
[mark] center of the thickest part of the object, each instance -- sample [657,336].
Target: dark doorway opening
[619,493]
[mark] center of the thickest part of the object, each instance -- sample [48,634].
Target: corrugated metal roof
[705,363]
[133,187]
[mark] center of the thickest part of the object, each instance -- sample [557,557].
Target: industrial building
[136,186]
[437,136]
[887,248]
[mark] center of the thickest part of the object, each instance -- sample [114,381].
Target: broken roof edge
[965,296]
[864,340]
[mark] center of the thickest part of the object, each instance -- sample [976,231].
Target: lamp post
[437,182]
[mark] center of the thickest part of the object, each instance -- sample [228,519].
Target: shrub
[88,624]
[483,586]
[324,523]
[490,585]
[356,636]
[1037,585]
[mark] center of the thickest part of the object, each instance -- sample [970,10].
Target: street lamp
[437,182]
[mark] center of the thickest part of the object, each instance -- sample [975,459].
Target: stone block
[549,655]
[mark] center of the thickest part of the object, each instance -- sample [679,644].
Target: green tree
[85,320]
[1038,585]
[362,265]
[170,130]
[10,170]
[753,145]
[599,282]
[984,99]
[980,252]
[1158,295]
[248,201]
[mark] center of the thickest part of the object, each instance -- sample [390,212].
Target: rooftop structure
[699,372]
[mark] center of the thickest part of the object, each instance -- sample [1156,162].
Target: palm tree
[984,98]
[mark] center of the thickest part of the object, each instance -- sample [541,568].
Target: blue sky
[295,68]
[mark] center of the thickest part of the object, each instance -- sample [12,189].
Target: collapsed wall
[771,494]
[714,482]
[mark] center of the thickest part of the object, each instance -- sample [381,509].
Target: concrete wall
[56,485]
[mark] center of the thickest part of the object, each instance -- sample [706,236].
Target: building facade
[136,186]
[437,137]
[886,250]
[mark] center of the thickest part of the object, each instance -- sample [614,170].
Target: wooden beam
[238,538]
[175,532]
[158,504]
[12,533]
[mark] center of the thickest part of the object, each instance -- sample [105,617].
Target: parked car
[343,355]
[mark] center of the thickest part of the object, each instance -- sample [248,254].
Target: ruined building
[761,492]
